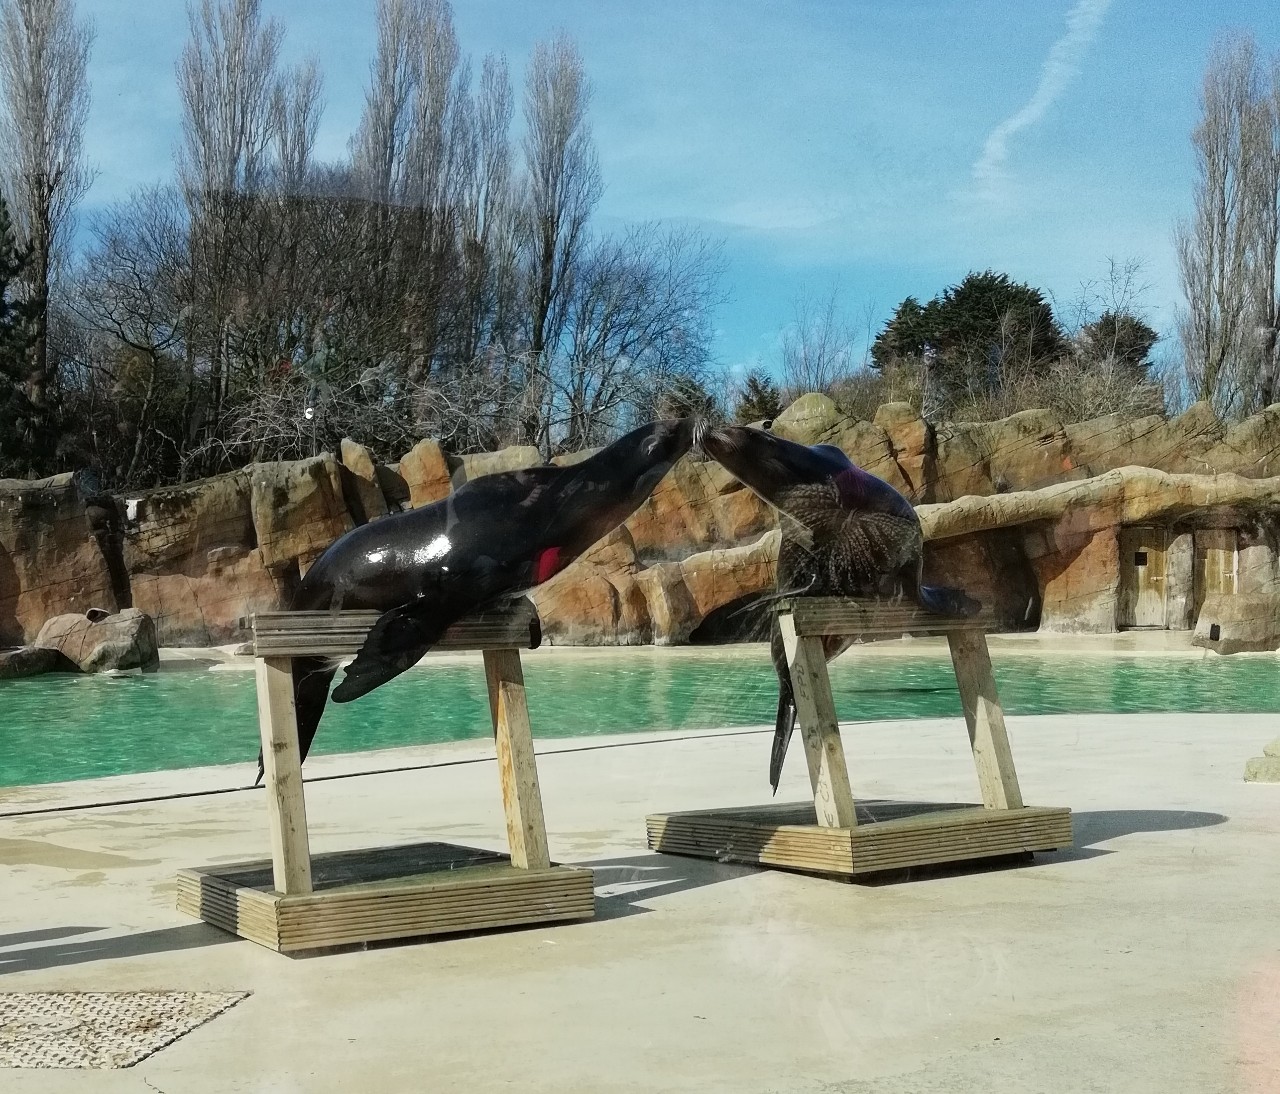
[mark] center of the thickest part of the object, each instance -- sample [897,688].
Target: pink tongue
[546,564]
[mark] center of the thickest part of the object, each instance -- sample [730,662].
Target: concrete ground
[1144,959]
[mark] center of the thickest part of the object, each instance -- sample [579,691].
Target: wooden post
[816,715]
[282,769]
[521,797]
[985,718]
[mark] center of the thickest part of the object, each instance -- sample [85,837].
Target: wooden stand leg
[816,715]
[282,768]
[521,798]
[985,719]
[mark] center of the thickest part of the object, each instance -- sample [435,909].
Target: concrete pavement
[1144,959]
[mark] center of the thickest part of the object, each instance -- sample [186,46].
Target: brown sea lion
[845,532]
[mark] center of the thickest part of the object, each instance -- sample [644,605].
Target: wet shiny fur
[494,537]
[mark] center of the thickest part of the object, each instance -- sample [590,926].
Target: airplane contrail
[1063,62]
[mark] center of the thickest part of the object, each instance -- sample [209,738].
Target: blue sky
[887,148]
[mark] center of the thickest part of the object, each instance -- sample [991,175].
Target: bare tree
[44,51]
[378,147]
[637,329]
[227,79]
[1265,257]
[563,179]
[1227,250]
[818,348]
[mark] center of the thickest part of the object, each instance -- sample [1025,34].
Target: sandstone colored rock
[515,458]
[1079,580]
[679,515]
[1250,447]
[427,472]
[50,562]
[1243,623]
[298,509]
[596,599]
[1128,495]
[718,577]
[126,640]
[361,490]
[32,661]
[961,461]
[210,606]
[812,419]
[568,459]
[1029,450]
[914,448]
[994,568]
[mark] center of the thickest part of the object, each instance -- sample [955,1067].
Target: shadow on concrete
[60,954]
[639,879]
[1099,825]
[45,934]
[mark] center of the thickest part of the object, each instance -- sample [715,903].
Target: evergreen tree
[982,333]
[760,399]
[18,418]
[1121,337]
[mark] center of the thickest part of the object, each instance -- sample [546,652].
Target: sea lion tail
[311,679]
[942,600]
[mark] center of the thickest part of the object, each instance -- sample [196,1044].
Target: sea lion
[845,532]
[495,537]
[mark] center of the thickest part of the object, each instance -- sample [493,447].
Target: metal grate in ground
[100,1029]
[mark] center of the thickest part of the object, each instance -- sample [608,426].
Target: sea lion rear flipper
[396,642]
[311,679]
[783,727]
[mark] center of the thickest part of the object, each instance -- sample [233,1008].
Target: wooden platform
[888,835]
[295,901]
[385,893]
[834,835]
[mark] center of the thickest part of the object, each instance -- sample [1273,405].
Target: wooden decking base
[833,834]
[889,835]
[296,901]
[385,893]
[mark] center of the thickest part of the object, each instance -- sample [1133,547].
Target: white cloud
[1062,64]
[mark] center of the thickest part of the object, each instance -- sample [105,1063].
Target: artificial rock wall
[1026,513]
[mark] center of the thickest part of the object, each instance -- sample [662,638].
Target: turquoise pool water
[61,727]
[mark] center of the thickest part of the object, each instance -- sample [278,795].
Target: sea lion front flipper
[396,642]
[942,600]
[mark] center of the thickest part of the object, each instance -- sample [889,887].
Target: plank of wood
[823,615]
[517,769]
[282,765]
[816,715]
[509,625]
[984,717]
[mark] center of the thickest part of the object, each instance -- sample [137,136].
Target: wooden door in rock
[1143,583]
[1216,564]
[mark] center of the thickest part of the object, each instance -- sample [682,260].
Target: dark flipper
[785,723]
[396,642]
[941,600]
[311,679]
[783,727]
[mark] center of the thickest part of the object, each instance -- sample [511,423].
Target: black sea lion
[494,537]
[845,532]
